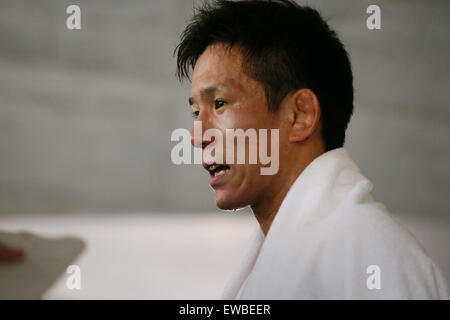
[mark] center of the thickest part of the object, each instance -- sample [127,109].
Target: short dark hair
[286,47]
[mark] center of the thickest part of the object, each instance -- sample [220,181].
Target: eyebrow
[208,91]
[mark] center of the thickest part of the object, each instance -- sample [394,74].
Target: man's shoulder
[371,240]
[368,228]
[370,221]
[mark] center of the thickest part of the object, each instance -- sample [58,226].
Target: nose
[197,137]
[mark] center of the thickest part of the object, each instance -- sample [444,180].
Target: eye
[219,103]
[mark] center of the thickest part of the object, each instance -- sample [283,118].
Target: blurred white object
[45,260]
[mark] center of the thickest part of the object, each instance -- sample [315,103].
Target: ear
[304,116]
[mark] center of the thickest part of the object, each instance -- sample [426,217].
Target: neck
[266,209]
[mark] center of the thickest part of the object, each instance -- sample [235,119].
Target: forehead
[219,64]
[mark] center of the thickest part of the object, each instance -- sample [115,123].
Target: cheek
[236,117]
[245,117]
[248,180]
[243,189]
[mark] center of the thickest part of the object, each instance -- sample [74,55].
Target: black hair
[285,46]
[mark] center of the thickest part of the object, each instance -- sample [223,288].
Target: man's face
[223,97]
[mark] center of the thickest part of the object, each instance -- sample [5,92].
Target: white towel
[331,240]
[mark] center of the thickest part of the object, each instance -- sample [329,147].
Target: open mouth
[217,169]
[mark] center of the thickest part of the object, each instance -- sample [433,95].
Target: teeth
[218,173]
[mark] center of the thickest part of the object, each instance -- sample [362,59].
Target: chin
[229,202]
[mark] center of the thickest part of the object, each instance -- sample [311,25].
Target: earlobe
[306,115]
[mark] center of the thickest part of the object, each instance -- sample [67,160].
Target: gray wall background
[86,115]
